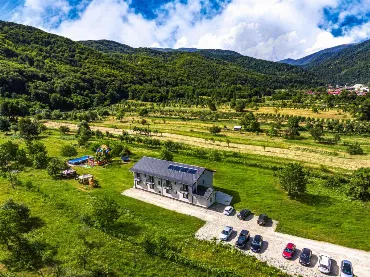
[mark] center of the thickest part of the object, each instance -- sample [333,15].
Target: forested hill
[317,58]
[109,46]
[292,75]
[62,74]
[352,65]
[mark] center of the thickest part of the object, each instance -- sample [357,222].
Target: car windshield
[347,269]
[225,232]
[256,242]
[304,256]
[288,250]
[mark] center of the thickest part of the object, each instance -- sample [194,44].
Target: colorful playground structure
[103,156]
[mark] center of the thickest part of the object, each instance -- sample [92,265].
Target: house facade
[186,183]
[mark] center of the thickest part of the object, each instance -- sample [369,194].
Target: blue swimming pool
[81,160]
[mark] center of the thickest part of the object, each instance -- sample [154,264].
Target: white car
[228,210]
[324,263]
[226,233]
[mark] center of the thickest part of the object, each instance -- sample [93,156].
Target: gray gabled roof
[159,168]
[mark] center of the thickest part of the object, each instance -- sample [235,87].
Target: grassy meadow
[61,205]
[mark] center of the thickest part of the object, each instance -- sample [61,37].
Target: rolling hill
[289,75]
[58,73]
[351,65]
[317,58]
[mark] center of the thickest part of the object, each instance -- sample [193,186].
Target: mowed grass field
[60,205]
[200,129]
[322,214]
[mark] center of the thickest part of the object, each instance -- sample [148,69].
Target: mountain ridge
[317,58]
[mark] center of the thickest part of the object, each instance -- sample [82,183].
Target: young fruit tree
[293,179]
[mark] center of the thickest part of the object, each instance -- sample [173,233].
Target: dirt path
[273,242]
[306,157]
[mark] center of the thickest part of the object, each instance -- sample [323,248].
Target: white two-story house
[187,183]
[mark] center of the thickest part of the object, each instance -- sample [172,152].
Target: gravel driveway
[274,242]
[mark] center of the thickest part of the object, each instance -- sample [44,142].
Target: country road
[292,154]
[274,242]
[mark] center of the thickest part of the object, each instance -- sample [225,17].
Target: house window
[168,191]
[151,186]
[185,187]
[151,179]
[159,182]
[186,196]
[137,175]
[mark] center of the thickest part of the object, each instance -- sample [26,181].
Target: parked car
[256,244]
[324,263]
[346,269]
[305,257]
[289,251]
[243,214]
[226,233]
[242,240]
[228,210]
[262,219]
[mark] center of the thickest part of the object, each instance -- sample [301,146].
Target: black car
[305,257]
[241,242]
[262,219]
[243,214]
[256,244]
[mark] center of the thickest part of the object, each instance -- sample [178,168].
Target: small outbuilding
[237,128]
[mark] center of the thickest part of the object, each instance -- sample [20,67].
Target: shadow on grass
[126,228]
[34,223]
[315,200]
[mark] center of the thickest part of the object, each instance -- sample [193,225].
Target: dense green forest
[51,71]
[352,65]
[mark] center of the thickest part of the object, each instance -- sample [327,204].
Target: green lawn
[321,215]
[60,204]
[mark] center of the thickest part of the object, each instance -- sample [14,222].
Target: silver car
[226,233]
[346,269]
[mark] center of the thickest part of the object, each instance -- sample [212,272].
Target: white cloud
[268,29]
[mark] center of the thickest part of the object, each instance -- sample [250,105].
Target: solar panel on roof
[192,171]
[171,166]
[177,168]
[184,169]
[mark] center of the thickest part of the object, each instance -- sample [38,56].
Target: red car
[289,251]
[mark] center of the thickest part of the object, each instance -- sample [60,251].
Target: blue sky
[267,29]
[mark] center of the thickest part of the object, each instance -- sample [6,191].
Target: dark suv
[256,244]
[305,257]
[241,242]
[243,214]
[262,220]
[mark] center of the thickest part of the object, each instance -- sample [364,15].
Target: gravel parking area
[274,242]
